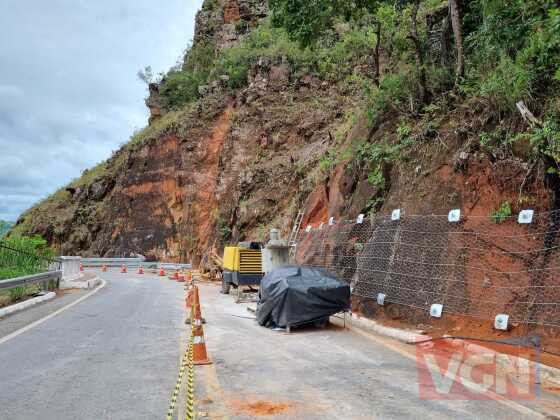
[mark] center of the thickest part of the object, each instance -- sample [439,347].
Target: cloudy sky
[69,94]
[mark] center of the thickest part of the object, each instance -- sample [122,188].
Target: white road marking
[55,313]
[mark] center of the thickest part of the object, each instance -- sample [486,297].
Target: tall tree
[306,20]
[419,53]
[458,34]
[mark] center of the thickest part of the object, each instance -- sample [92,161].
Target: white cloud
[69,94]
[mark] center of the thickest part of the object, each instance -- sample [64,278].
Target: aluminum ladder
[294,235]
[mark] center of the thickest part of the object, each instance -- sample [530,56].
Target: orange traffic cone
[176,275]
[181,278]
[124,269]
[104,268]
[200,356]
[140,270]
[81,267]
[189,299]
[197,313]
[161,272]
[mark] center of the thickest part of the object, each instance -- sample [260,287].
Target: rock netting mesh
[477,266]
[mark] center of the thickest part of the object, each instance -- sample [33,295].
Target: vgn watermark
[451,369]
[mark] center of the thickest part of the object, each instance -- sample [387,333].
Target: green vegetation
[5,227]
[406,64]
[328,162]
[223,229]
[502,213]
[20,256]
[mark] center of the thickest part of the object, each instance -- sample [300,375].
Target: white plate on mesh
[501,322]
[526,217]
[454,215]
[436,309]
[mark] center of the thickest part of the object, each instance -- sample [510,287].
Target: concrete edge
[351,322]
[8,310]
[76,284]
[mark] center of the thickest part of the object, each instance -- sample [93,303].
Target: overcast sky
[69,94]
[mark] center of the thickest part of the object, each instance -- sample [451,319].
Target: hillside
[5,227]
[359,108]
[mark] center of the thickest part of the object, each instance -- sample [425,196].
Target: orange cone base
[203,362]
[200,357]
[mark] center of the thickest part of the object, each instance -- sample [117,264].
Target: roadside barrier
[189,401]
[189,299]
[186,364]
[199,347]
[199,344]
[196,307]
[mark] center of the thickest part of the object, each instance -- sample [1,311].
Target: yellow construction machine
[242,266]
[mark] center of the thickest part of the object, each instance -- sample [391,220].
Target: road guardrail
[132,262]
[32,279]
[114,262]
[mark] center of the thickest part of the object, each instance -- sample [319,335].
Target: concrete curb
[26,304]
[547,373]
[369,325]
[77,284]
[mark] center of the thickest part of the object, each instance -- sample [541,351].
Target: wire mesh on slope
[476,266]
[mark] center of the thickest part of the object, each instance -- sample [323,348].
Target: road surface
[116,356]
[113,356]
[319,374]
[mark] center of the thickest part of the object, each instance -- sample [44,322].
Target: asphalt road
[316,374]
[113,356]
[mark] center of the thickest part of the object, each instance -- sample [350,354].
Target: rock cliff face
[239,162]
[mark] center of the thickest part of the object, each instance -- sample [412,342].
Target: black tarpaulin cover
[291,296]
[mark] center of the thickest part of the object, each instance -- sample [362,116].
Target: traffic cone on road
[124,269]
[181,278]
[176,275]
[198,320]
[104,268]
[81,267]
[140,270]
[161,272]
[189,299]
[196,314]
[200,356]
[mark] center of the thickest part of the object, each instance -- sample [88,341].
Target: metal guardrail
[132,262]
[32,279]
[114,262]
[173,266]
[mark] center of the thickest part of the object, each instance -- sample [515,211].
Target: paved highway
[116,356]
[113,356]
